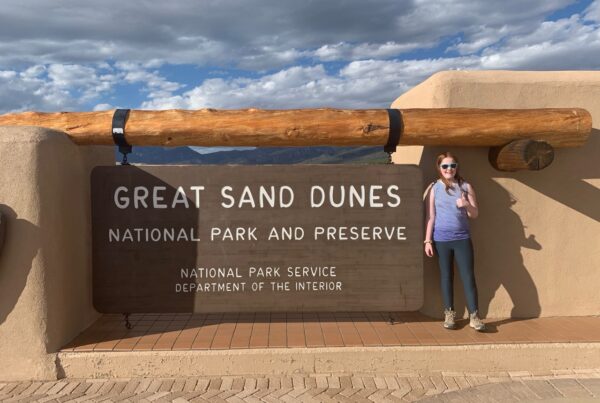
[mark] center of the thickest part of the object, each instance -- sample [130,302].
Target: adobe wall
[45,262]
[537,240]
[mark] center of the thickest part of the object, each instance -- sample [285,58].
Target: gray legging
[462,250]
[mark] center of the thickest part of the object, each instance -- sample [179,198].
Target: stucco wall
[537,240]
[45,263]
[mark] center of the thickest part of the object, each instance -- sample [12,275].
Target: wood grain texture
[522,155]
[568,127]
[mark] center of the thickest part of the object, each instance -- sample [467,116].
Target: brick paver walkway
[170,331]
[583,385]
[244,331]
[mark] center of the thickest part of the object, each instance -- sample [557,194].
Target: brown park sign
[257,238]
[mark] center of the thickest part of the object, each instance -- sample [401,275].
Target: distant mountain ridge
[262,155]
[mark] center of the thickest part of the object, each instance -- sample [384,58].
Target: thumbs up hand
[463,201]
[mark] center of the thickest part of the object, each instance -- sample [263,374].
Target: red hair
[438,161]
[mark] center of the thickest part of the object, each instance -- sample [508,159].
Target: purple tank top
[451,223]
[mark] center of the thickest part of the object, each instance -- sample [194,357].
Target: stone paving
[567,385]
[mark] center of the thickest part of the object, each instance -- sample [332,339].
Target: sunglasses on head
[446,166]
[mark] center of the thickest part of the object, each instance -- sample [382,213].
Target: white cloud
[154,84]
[52,87]
[361,84]
[592,12]
[7,74]
[251,34]
[568,43]
[33,72]
[80,55]
[25,91]
[485,37]
[103,107]
[348,51]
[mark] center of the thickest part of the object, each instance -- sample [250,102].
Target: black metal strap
[118,133]
[396,126]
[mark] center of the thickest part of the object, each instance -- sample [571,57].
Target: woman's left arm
[471,206]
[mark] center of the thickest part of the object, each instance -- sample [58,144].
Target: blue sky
[67,55]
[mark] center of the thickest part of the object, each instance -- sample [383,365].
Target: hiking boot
[449,316]
[475,322]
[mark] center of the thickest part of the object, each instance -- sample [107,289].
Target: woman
[450,204]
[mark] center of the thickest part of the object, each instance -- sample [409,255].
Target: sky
[77,55]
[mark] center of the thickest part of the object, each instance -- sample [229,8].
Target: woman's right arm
[430,218]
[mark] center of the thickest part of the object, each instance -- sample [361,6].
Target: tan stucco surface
[537,240]
[45,263]
[339,360]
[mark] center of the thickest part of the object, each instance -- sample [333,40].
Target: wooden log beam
[568,127]
[522,155]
